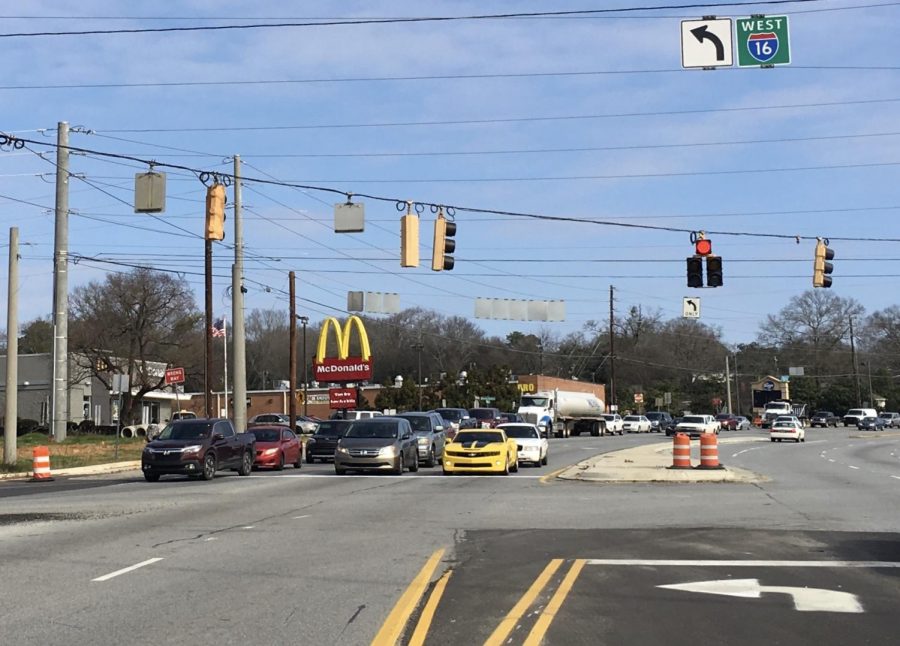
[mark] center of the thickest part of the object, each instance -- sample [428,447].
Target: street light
[303,321]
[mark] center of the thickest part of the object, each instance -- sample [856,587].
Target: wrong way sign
[706,43]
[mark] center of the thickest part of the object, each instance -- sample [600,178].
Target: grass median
[75,451]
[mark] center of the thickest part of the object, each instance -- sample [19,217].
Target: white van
[362,414]
[855,414]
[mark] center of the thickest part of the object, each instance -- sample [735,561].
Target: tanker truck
[564,413]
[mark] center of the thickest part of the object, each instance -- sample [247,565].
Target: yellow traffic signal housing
[409,240]
[821,266]
[215,212]
[444,244]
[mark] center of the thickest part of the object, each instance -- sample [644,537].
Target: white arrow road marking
[805,599]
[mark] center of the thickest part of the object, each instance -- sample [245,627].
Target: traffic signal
[409,240]
[444,243]
[695,271]
[703,247]
[215,212]
[713,271]
[821,266]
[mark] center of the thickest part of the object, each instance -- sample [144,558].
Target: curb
[93,469]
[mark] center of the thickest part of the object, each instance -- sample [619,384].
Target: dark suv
[324,441]
[198,448]
[659,421]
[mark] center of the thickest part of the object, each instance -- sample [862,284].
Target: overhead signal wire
[385,21]
[470,209]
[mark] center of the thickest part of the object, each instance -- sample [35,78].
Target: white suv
[855,414]
[614,424]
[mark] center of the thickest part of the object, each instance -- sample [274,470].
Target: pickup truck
[198,448]
[697,425]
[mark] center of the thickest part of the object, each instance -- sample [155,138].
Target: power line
[385,21]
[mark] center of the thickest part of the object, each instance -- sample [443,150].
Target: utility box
[149,192]
[349,218]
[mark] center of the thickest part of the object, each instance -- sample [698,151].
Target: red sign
[337,370]
[174,376]
[342,397]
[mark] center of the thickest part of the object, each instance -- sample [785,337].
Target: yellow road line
[543,623]
[393,625]
[509,622]
[553,474]
[431,605]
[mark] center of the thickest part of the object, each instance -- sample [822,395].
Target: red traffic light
[703,247]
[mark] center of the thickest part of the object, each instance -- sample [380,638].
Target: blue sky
[657,145]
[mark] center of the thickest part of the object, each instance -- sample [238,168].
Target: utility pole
[60,402]
[855,364]
[304,320]
[737,384]
[417,346]
[12,351]
[292,355]
[728,384]
[207,377]
[238,349]
[612,352]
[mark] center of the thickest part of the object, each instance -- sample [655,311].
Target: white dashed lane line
[130,568]
[853,467]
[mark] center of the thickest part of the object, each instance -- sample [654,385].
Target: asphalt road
[311,557]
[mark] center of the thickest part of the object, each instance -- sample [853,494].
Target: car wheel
[280,465]
[415,464]
[431,461]
[247,464]
[545,458]
[515,467]
[310,459]
[299,463]
[151,477]
[209,467]
[506,467]
[339,471]
[772,439]
[398,470]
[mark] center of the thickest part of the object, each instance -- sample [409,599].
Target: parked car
[324,441]
[614,423]
[301,424]
[183,414]
[824,418]
[383,444]
[697,425]
[871,424]
[659,420]
[636,424]
[486,417]
[430,436]
[458,418]
[276,446]
[738,423]
[481,451]
[787,427]
[723,419]
[891,420]
[855,414]
[198,448]
[358,414]
[531,445]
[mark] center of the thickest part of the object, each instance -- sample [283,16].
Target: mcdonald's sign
[343,367]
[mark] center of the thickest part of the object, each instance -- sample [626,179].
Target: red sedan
[276,446]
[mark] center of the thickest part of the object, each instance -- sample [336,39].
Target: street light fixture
[304,320]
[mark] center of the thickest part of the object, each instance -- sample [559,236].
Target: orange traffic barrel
[709,451]
[40,464]
[681,451]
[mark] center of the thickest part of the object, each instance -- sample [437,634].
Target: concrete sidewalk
[649,463]
[91,470]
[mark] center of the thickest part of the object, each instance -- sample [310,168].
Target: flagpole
[225,367]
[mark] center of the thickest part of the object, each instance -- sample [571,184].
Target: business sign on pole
[174,376]
[763,40]
[706,43]
[343,368]
[339,398]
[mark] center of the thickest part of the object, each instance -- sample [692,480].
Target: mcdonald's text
[350,369]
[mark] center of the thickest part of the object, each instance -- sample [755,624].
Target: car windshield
[539,402]
[450,414]
[609,418]
[332,428]
[632,418]
[691,419]
[266,434]
[822,413]
[855,411]
[869,420]
[886,415]
[185,430]
[654,415]
[521,431]
[482,413]
[270,418]
[419,423]
[372,429]
[482,437]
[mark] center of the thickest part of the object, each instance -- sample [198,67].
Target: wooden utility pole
[855,364]
[612,351]
[208,372]
[12,351]
[292,354]
[60,400]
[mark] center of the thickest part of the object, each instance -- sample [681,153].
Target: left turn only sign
[706,43]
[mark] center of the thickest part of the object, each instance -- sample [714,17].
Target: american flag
[218,328]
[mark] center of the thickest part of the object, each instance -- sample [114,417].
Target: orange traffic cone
[709,451]
[40,466]
[681,452]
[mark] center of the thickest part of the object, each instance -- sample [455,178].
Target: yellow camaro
[481,450]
